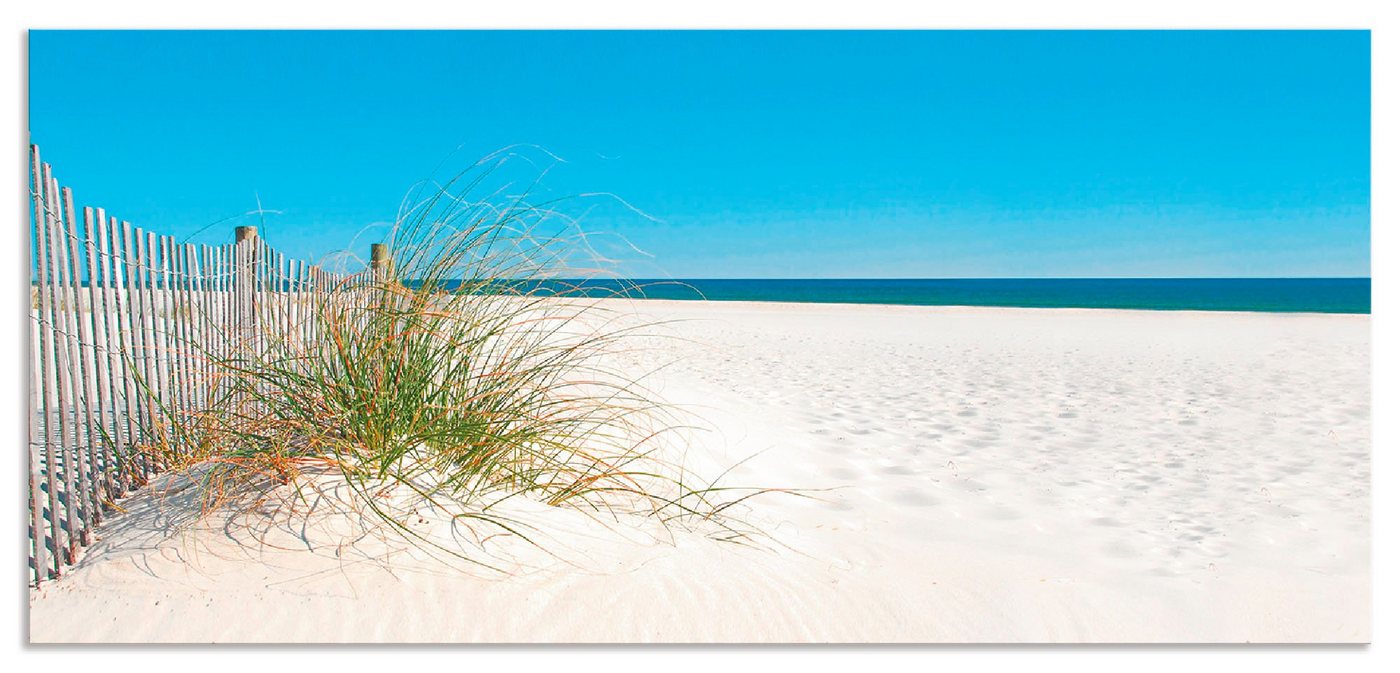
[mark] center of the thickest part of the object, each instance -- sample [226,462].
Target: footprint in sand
[837,505]
[914,498]
[1001,513]
[842,473]
[901,470]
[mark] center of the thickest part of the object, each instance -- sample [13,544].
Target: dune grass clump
[463,374]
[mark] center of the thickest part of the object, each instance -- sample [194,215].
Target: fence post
[245,270]
[379,260]
[245,240]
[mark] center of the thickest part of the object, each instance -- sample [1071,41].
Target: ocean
[1283,295]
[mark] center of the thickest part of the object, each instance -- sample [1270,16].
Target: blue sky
[752,154]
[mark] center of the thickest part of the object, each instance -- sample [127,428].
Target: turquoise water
[1288,295]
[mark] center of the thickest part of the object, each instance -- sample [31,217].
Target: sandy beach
[975,474]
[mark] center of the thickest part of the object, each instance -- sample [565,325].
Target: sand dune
[990,475]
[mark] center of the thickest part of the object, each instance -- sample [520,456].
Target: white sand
[1000,474]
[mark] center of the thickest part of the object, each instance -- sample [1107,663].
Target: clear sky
[752,154]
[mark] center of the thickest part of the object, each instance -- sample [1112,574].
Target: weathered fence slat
[67,432]
[165,339]
[133,343]
[41,462]
[97,375]
[181,316]
[111,330]
[81,339]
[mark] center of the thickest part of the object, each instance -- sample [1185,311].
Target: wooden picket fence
[126,329]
